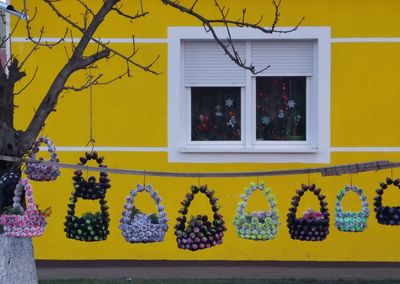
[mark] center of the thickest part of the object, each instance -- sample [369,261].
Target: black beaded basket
[91,188]
[201,232]
[311,226]
[386,215]
[89,227]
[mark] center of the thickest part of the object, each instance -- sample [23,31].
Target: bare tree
[14,142]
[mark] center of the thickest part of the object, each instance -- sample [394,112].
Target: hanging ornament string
[91,139]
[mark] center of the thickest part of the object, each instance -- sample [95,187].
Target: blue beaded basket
[140,227]
[349,221]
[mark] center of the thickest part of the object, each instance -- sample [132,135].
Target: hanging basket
[312,226]
[24,223]
[138,227]
[348,221]
[90,227]
[91,188]
[201,232]
[261,225]
[38,171]
[386,215]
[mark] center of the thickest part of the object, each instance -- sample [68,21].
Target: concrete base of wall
[216,269]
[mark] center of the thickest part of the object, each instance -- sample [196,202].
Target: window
[218,112]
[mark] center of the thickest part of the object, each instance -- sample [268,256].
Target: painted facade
[132,131]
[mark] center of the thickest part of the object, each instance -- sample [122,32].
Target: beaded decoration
[25,223]
[312,226]
[38,171]
[138,227]
[386,215]
[90,188]
[261,225]
[348,221]
[201,232]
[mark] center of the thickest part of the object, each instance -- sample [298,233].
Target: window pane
[281,108]
[215,113]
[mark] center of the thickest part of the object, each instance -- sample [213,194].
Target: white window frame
[316,149]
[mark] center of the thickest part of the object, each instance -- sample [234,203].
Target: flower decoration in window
[201,232]
[38,171]
[215,113]
[21,223]
[138,227]
[313,225]
[281,108]
[260,225]
[348,221]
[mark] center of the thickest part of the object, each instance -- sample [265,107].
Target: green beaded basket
[261,225]
[349,221]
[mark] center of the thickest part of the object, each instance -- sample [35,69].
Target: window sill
[255,150]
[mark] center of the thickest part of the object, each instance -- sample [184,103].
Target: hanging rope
[325,171]
[91,139]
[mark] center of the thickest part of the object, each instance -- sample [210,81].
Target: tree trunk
[17,262]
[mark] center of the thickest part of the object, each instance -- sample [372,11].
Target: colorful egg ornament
[312,226]
[201,232]
[38,171]
[24,223]
[386,215]
[348,221]
[137,227]
[90,188]
[262,225]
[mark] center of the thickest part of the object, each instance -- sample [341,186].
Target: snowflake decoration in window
[229,102]
[232,122]
[291,104]
[281,114]
[265,120]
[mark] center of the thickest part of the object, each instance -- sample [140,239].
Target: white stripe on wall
[108,149]
[165,40]
[366,149]
[364,39]
[165,149]
[106,40]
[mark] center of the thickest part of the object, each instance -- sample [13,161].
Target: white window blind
[284,57]
[206,64]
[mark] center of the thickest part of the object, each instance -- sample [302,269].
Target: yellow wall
[365,95]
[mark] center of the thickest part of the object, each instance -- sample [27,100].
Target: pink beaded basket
[32,223]
[38,171]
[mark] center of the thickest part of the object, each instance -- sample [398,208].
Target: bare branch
[87,8]
[88,34]
[229,47]
[27,85]
[139,14]
[38,42]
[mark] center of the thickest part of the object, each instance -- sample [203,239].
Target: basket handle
[344,191]
[73,202]
[317,193]
[23,184]
[50,146]
[249,191]
[153,194]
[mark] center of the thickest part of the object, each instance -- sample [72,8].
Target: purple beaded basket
[38,171]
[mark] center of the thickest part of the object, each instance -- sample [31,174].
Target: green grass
[217,281]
